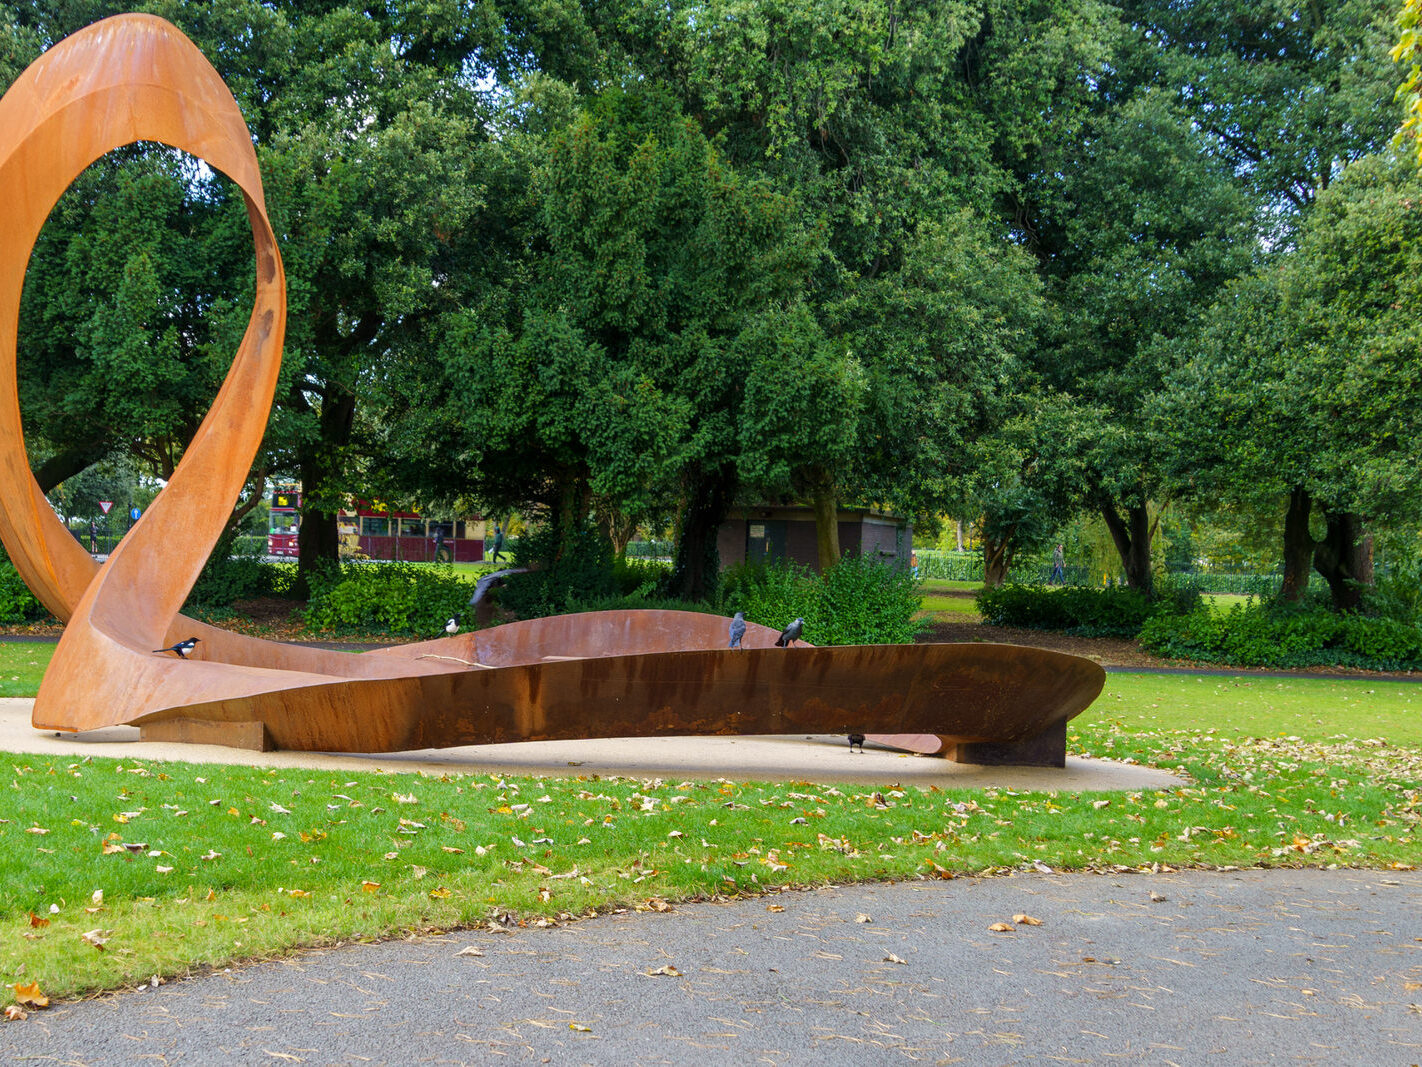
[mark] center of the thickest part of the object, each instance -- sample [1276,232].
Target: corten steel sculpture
[625,673]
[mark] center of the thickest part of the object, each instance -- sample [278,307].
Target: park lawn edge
[202,928]
[106,974]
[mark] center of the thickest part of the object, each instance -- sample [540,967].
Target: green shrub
[1285,636]
[856,602]
[396,598]
[558,583]
[649,549]
[1108,612]
[240,578]
[17,603]
[639,578]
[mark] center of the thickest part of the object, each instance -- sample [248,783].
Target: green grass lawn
[955,605]
[1220,603]
[22,665]
[938,595]
[175,866]
[943,585]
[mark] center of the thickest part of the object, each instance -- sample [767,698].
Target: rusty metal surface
[633,673]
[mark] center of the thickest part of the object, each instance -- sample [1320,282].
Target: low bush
[17,603]
[639,578]
[1285,636]
[395,598]
[1107,612]
[649,549]
[856,602]
[240,578]
[557,583]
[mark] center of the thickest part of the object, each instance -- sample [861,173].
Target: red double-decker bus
[372,531]
[284,521]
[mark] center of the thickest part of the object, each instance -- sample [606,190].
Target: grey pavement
[1195,967]
[816,758]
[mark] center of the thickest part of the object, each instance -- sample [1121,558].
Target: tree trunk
[958,527]
[318,542]
[1343,560]
[1131,535]
[826,506]
[1298,546]
[997,559]
[697,564]
[618,526]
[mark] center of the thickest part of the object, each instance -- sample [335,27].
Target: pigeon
[452,626]
[856,739]
[738,629]
[790,634]
[182,648]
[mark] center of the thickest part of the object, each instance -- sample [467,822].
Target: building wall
[859,532]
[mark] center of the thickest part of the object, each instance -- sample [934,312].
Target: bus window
[372,526]
[412,527]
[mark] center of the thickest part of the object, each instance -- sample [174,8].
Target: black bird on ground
[790,634]
[182,648]
[738,629]
[856,739]
[452,626]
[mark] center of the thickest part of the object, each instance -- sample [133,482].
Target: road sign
[105,505]
[134,514]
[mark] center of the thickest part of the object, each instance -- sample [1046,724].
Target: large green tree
[1303,382]
[608,370]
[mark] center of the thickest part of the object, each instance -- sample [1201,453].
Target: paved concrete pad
[1195,967]
[810,758]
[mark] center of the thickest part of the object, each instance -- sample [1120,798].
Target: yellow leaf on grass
[440,893]
[370,887]
[35,920]
[29,994]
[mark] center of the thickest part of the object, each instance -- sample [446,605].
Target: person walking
[498,542]
[1058,566]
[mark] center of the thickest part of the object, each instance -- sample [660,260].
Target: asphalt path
[1194,967]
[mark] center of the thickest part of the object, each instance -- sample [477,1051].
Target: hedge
[1108,612]
[1272,635]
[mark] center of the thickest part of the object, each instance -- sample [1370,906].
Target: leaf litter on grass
[358,853]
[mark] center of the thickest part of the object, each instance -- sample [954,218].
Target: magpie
[452,626]
[856,739]
[182,648]
[790,634]
[738,629]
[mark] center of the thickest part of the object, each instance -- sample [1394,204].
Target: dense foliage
[636,263]
[1109,612]
[856,602]
[390,598]
[1260,634]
